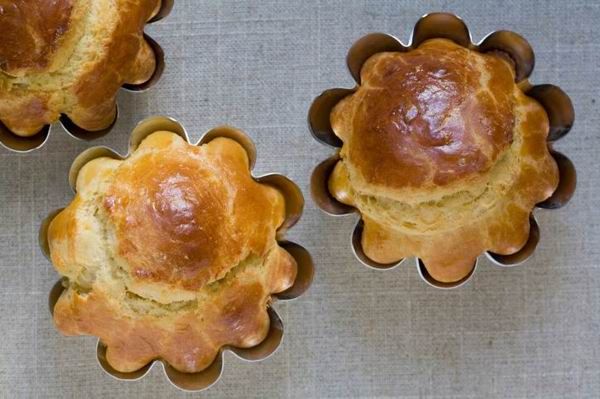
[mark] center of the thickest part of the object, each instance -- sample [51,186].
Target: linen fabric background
[529,331]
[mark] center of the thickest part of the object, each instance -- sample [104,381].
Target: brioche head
[70,57]
[170,253]
[443,155]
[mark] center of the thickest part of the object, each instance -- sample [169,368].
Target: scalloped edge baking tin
[557,104]
[294,201]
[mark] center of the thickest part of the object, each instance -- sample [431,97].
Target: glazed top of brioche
[170,253]
[70,57]
[178,215]
[428,117]
[33,33]
[182,218]
[444,156]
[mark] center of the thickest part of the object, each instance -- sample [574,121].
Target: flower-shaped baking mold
[57,64]
[277,284]
[507,45]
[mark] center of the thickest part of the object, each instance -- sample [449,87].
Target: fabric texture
[528,331]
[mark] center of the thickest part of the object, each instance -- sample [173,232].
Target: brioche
[70,57]
[443,155]
[170,253]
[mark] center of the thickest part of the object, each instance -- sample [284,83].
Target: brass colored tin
[294,206]
[557,104]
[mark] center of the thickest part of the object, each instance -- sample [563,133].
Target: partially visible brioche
[443,155]
[70,57]
[170,253]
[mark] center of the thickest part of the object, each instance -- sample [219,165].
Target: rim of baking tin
[294,204]
[556,103]
[25,144]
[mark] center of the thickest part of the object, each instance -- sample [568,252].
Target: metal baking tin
[20,144]
[294,202]
[557,104]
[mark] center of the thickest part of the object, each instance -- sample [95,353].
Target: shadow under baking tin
[556,103]
[24,144]
[294,207]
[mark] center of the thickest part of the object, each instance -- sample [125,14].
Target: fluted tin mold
[556,103]
[294,206]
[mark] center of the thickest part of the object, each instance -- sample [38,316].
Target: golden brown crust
[70,57]
[443,155]
[32,33]
[170,254]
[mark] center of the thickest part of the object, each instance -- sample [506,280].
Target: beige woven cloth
[531,331]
